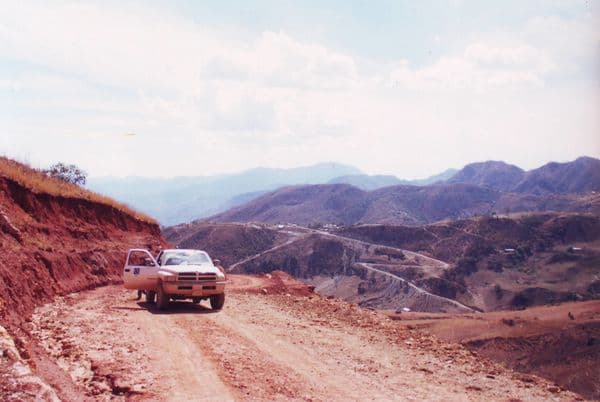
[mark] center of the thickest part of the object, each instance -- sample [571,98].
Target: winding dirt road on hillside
[274,340]
[415,289]
[293,238]
[402,291]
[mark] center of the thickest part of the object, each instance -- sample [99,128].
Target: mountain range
[333,192]
[182,199]
[374,182]
[580,175]
[478,189]
[406,205]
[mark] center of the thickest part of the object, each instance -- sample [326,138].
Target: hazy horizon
[317,164]
[165,89]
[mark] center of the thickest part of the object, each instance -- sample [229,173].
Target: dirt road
[274,340]
[416,292]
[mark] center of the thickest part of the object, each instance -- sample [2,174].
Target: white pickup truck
[175,274]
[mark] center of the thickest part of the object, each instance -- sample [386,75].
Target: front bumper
[194,289]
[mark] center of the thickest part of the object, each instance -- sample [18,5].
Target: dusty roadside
[560,342]
[274,340]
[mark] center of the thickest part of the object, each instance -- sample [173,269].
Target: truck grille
[196,277]
[207,277]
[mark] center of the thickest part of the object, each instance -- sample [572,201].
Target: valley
[482,264]
[351,269]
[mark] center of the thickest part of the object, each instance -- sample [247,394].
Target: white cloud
[519,57]
[544,49]
[283,61]
[145,49]
[96,70]
[481,66]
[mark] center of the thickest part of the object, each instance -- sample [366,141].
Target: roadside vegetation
[39,181]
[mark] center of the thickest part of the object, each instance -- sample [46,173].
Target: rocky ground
[274,340]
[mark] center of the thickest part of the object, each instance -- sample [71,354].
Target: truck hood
[203,268]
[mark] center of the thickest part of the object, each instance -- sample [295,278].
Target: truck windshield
[185,257]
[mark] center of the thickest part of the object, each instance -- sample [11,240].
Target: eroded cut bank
[54,245]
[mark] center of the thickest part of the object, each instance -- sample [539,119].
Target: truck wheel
[196,300]
[162,299]
[150,296]
[217,301]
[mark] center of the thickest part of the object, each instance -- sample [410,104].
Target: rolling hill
[581,175]
[578,176]
[367,182]
[484,188]
[491,174]
[407,205]
[502,263]
[374,182]
[487,263]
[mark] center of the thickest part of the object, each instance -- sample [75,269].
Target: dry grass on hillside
[38,182]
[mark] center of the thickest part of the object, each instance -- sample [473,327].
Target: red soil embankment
[53,245]
[56,245]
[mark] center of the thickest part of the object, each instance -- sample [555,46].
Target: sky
[409,88]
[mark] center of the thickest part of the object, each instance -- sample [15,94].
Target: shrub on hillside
[562,256]
[479,250]
[494,263]
[390,253]
[68,173]
[463,268]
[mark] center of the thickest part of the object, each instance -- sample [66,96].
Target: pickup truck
[175,274]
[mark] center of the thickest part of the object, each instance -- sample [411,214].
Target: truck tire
[150,297]
[162,299]
[217,301]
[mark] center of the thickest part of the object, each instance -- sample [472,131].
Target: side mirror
[217,262]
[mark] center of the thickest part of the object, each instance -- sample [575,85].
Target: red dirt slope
[560,343]
[53,244]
